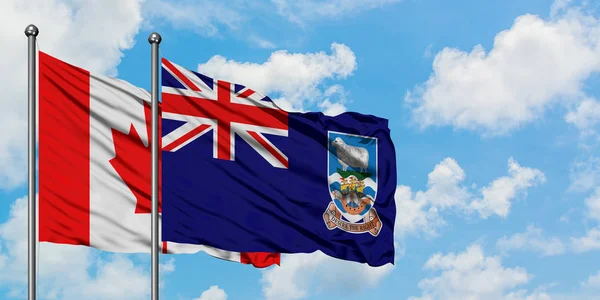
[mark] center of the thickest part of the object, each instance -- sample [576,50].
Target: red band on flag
[180,75]
[260,259]
[64,147]
[269,148]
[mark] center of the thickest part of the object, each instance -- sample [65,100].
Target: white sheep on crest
[352,156]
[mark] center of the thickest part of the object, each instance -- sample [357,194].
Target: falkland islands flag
[243,175]
[94,165]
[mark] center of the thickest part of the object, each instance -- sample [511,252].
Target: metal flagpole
[31,32]
[154,39]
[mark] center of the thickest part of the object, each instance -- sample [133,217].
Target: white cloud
[302,274]
[165,268]
[444,190]
[420,212]
[536,295]
[210,18]
[586,116]
[593,282]
[427,53]
[585,174]
[332,108]
[168,266]
[592,204]
[83,273]
[498,195]
[334,103]
[533,240]
[213,18]
[301,11]
[558,6]
[213,293]
[296,77]
[532,66]
[415,214]
[589,242]
[75,31]
[472,275]
[117,278]
[261,42]
[200,16]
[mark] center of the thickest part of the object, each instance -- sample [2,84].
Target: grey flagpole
[31,32]
[154,39]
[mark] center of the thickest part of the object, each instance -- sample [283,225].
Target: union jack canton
[203,104]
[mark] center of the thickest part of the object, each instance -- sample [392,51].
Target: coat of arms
[352,180]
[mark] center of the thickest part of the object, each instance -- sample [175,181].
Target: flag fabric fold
[241,174]
[94,165]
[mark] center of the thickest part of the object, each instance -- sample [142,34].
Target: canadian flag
[95,165]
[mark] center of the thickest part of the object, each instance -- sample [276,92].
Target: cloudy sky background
[493,110]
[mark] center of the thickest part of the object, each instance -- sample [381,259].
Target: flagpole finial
[32,30]
[154,38]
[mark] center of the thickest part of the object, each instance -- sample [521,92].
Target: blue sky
[493,113]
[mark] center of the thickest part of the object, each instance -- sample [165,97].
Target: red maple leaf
[132,162]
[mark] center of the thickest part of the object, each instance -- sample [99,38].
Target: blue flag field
[240,174]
